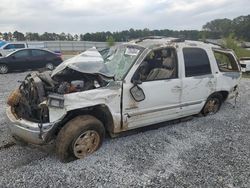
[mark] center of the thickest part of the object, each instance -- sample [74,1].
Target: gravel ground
[211,151]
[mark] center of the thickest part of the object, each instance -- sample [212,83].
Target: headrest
[168,63]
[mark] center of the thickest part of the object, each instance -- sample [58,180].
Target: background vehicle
[29,59]
[2,43]
[147,81]
[245,64]
[11,47]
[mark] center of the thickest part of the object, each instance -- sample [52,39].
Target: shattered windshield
[120,62]
[115,65]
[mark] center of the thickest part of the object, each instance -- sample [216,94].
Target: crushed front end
[38,104]
[37,107]
[28,112]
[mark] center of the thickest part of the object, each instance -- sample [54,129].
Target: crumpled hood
[90,62]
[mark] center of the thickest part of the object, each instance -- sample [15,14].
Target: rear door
[198,81]
[39,58]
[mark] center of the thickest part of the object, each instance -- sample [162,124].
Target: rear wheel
[49,66]
[79,138]
[4,69]
[212,105]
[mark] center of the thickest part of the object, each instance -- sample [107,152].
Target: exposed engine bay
[30,100]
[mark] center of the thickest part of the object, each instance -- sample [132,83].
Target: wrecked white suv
[143,82]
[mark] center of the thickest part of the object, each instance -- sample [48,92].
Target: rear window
[226,61]
[196,62]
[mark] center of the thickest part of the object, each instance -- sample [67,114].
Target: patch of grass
[243,53]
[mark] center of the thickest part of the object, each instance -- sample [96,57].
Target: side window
[226,62]
[159,64]
[39,53]
[196,62]
[17,46]
[9,46]
[22,53]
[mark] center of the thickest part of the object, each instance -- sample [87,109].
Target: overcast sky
[81,16]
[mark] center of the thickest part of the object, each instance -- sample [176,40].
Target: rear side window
[226,62]
[196,62]
[19,46]
[39,53]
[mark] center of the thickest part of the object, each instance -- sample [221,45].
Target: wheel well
[224,94]
[100,112]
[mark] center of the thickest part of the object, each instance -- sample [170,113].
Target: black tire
[72,131]
[4,69]
[212,105]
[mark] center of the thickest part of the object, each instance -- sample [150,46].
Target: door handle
[176,88]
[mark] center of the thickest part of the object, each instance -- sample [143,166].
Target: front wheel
[79,138]
[4,69]
[212,105]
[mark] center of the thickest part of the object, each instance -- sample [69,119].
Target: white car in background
[245,64]
[10,47]
[13,46]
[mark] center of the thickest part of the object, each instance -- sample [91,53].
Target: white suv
[245,64]
[11,47]
[143,82]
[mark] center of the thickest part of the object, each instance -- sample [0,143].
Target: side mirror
[137,93]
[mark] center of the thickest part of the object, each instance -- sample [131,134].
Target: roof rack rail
[149,37]
[214,43]
[178,40]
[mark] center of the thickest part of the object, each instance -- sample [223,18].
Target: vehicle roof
[33,49]
[158,41]
[17,50]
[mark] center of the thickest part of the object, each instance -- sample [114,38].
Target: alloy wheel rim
[86,143]
[3,69]
[50,66]
[212,106]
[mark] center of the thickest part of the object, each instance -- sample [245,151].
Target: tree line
[215,29]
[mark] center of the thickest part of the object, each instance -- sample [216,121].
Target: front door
[158,78]
[20,60]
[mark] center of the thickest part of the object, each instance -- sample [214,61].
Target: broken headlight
[55,100]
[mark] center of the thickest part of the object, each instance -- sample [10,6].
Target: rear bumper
[29,131]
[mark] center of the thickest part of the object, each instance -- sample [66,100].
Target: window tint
[196,62]
[226,62]
[9,46]
[22,53]
[159,64]
[19,46]
[39,53]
